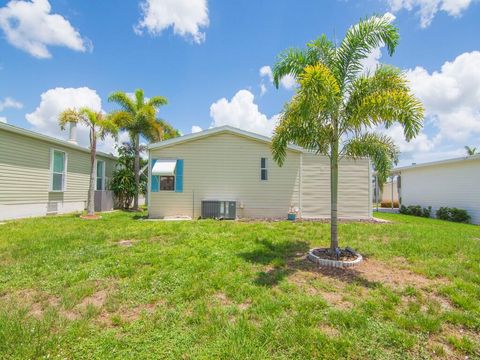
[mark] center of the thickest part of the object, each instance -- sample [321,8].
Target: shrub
[388,204]
[453,214]
[443,214]
[123,179]
[416,210]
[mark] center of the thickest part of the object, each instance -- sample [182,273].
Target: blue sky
[206,58]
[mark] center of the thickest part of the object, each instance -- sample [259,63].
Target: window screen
[167,183]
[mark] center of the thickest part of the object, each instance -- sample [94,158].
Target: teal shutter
[179,176]
[155,179]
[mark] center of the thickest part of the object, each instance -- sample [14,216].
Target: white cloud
[266,71]
[419,144]
[9,102]
[45,117]
[3,119]
[451,96]
[31,27]
[263,89]
[288,82]
[242,112]
[427,9]
[196,129]
[187,17]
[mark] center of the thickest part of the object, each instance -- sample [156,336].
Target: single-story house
[41,175]
[451,183]
[389,192]
[227,172]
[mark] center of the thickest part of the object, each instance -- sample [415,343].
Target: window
[263,169]
[167,183]
[100,175]
[58,167]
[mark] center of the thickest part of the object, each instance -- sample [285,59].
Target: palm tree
[470,150]
[337,106]
[138,117]
[99,126]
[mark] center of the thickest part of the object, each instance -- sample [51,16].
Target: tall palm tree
[138,116]
[337,106]
[99,127]
[470,150]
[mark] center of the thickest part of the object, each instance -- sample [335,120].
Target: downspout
[148,182]
[300,206]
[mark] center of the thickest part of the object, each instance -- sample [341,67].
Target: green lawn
[236,290]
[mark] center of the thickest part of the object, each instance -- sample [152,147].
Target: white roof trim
[164,167]
[217,130]
[35,135]
[440,162]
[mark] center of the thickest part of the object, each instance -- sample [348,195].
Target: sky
[212,60]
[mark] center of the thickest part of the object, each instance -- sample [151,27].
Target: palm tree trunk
[136,168]
[93,172]
[334,197]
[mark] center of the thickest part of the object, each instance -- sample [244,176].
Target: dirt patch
[222,299]
[372,272]
[245,305]
[125,315]
[37,302]
[90,217]
[336,299]
[126,243]
[97,299]
[440,347]
[329,330]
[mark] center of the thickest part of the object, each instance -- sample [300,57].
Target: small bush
[416,210]
[443,214]
[388,204]
[453,214]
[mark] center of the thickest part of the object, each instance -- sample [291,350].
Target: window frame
[65,164]
[262,169]
[102,177]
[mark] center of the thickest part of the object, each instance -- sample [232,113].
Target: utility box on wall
[219,209]
[103,200]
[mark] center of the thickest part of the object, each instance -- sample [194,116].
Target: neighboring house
[389,191]
[41,175]
[233,171]
[452,183]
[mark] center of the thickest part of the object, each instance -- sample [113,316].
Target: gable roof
[35,135]
[214,131]
[440,162]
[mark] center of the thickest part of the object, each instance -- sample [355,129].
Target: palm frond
[292,62]
[68,116]
[123,100]
[389,107]
[381,149]
[157,101]
[359,42]
[139,98]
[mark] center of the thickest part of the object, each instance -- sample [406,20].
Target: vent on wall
[52,207]
[217,209]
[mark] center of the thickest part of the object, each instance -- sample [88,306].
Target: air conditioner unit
[219,209]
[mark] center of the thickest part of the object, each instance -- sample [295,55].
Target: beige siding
[353,192]
[227,167]
[451,184]
[25,171]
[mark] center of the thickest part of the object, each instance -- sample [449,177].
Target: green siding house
[41,175]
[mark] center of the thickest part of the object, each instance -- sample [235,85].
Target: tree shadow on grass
[286,258]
